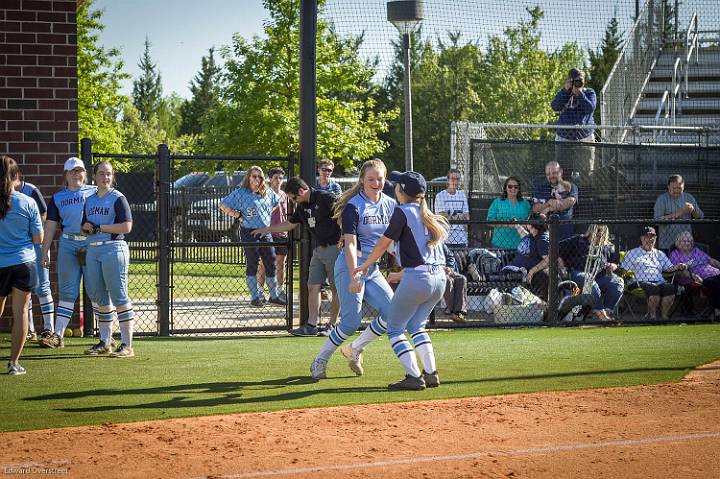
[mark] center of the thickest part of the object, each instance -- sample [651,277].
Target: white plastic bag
[494,298]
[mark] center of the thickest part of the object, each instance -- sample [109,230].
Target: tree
[205,95]
[443,91]
[147,90]
[260,109]
[603,59]
[100,73]
[517,79]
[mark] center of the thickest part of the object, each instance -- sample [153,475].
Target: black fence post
[87,310]
[552,304]
[290,264]
[162,200]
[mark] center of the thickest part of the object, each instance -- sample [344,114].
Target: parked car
[204,220]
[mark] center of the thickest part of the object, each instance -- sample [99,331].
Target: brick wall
[38,90]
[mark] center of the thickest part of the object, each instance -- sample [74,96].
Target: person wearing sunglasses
[325,171]
[510,206]
[252,204]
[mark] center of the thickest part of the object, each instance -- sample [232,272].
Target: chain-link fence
[224,278]
[600,273]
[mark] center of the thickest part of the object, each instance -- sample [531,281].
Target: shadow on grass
[232,392]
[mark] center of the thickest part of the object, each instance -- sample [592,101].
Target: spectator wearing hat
[575,104]
[648,264]
[675,204]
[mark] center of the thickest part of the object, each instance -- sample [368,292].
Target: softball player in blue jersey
[363,213]
[253,204]
[65,210]
[419,235]
[20,230]
[106,221]
[43,292]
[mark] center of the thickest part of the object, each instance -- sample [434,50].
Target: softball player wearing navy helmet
[106,221]
[43,292]
[65,210]
[253,204]
[20,230]
[363,213]
[419,235]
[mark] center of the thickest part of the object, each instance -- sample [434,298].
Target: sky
[179,35]
[182,31]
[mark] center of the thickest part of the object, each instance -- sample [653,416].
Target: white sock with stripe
[405,353]
[125,314]
[424,348]
[47,306]
[62,317]
[377,328]
[105,321]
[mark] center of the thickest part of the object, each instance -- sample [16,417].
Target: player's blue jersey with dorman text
[66,208]
[367,220]
[255,208]
[32,191]
[411,237]
[18,225]
[112,208]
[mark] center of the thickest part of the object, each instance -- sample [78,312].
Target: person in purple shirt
[702,269]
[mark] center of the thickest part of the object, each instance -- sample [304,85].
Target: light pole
[406,16]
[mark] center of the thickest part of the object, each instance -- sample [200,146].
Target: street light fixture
[406,16]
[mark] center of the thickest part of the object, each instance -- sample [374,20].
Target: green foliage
[147,90]
[205,96]
[259,113]
[518,79]
[513,81]
[100,73]
[603,59]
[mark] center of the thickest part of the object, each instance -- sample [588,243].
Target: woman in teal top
[509,207]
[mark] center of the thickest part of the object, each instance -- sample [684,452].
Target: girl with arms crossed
[106,221]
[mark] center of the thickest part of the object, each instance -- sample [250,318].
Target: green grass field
[180,377]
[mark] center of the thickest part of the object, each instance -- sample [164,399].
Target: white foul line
[474,455]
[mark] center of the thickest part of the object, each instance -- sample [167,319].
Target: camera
[578,82]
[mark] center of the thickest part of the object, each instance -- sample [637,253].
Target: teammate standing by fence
[66,210]
[106,221]
[253,204]
[419,236]
[363,212]
[20,229]
[43,292]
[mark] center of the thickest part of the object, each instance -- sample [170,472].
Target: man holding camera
[575,104]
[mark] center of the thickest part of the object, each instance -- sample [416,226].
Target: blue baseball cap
[411,182]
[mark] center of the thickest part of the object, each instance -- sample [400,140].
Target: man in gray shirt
[675,204]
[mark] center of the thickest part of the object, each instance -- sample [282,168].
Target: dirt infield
[665,431]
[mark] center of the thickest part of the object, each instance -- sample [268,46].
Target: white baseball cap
[73,163]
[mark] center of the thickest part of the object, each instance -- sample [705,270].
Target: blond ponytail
[437,225]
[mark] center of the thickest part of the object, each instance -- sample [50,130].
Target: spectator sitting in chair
[648,265]
[675,204]
[702,269]
[532,255]
[607,287]
[455,295]
[555,195]
[452,203]
[510,206]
